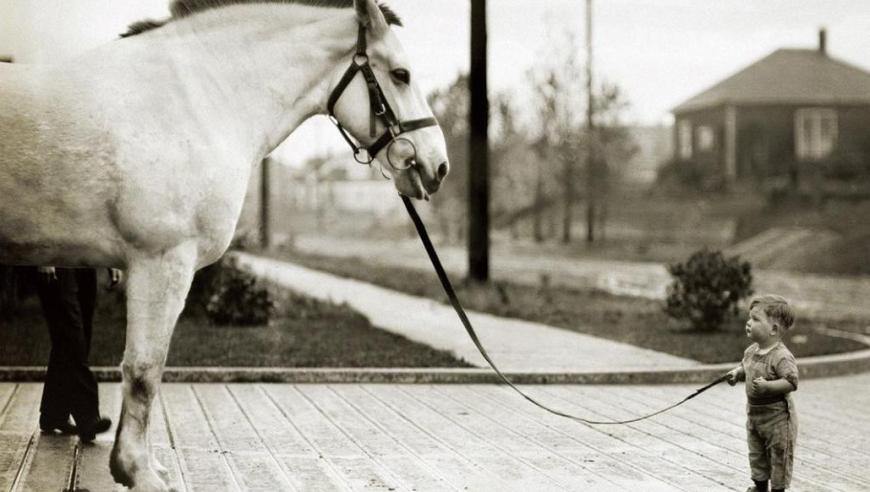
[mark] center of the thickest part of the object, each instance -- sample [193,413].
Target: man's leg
[87,295]
[81,386]
[55,405]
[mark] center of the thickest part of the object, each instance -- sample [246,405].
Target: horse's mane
[184,8]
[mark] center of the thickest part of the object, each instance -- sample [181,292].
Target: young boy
[771,374]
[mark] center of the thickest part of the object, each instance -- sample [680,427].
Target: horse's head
[375,99]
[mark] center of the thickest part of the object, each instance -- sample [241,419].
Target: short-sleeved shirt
[777,363]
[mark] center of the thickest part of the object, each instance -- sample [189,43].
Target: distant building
[337,185]
[792,108]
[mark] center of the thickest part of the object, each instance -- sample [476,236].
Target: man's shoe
[49,426]
[88,434]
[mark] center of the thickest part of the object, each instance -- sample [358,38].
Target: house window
[704,136]
[815,133]
[684,134]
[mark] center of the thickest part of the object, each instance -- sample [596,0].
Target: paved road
[216,437]
[827,296]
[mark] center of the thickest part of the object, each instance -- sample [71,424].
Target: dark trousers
[68,305]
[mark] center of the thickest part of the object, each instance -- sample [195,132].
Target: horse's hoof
[161,471]
[148,481]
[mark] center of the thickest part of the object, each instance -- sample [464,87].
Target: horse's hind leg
[156,289]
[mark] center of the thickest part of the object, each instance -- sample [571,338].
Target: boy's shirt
[777,363]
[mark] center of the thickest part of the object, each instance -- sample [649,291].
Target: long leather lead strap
[451,294]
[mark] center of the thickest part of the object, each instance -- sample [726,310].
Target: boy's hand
[47,273]
[115,277]
[760,386]
[732,376]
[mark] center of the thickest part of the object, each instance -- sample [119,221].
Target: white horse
[138,154]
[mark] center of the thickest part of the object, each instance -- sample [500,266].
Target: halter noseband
[380,108]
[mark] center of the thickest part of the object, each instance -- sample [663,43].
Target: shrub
[846,164]
[677,174]
[236,298]
[706,287]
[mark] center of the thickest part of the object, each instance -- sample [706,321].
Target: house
[788,111]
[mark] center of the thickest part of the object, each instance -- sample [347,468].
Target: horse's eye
[401,75]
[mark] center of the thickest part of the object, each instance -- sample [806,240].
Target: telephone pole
[265,197]
[591,173]
[478,150]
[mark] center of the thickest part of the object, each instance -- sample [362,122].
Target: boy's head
[769,317]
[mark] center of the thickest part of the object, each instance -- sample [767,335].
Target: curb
[810,367]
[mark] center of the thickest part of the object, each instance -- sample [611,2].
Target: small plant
[706,287]
[237,299]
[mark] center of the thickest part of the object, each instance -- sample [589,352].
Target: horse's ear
[369,14]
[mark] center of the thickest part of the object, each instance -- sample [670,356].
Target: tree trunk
[478,183]
[568,216]
[537,232]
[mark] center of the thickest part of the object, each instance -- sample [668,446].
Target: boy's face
[759,328]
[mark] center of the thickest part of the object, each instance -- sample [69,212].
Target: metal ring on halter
[360,59]
[390,157]
[381,169]
[363,151]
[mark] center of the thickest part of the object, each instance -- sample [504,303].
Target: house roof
[788,76]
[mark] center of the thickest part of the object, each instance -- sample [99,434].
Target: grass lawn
[310,333]
[636,321]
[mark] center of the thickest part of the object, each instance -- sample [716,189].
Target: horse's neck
[262,69]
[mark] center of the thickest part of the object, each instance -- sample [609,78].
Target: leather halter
[380,109]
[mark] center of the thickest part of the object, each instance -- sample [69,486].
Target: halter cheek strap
[379,106]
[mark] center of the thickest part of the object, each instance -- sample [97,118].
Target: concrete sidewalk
[815,295]
[514,345]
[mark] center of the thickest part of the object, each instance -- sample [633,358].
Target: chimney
[823,41]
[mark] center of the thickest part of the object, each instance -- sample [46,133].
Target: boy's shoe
[89,433]
[49,426]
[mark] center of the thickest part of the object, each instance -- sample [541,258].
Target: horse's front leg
[156,289]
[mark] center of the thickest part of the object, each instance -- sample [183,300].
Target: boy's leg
[781,451]
[759,467]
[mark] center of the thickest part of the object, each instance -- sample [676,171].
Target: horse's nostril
[443,169]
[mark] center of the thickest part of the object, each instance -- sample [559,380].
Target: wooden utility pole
[265,232]
[591,151]
[478,150]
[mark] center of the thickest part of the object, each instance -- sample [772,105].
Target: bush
[677,174]
[706,288]
[845,164]
[236,298]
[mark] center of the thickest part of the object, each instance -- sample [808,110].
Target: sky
[660,52]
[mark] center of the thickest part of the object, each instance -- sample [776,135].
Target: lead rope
[451,294]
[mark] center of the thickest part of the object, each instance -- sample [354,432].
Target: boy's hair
[777,309]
